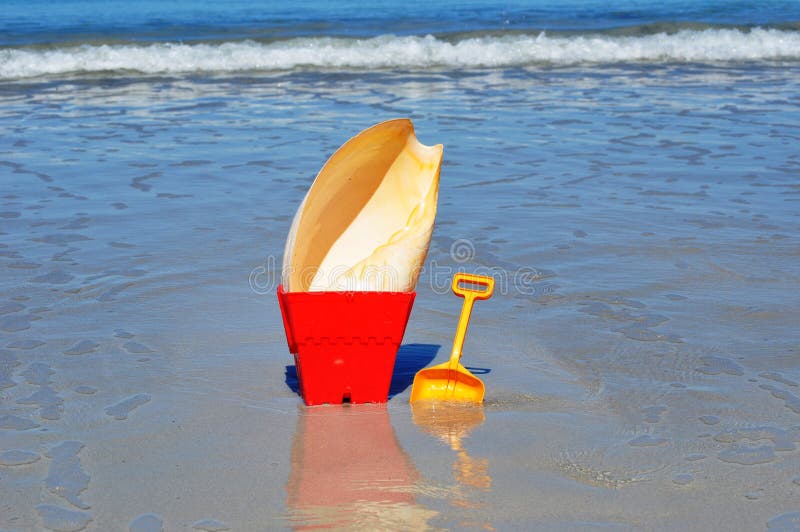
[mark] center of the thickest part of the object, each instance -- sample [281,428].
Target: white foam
[386,52]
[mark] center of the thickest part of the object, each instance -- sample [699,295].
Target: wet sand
[640,353]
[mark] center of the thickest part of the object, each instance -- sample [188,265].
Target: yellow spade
[451,381]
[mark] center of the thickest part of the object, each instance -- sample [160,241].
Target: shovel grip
[481,280]
[469,295]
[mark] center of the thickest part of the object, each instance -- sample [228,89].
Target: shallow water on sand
[641,353]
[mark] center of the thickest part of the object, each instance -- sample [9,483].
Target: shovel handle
[481,280]
[469,295]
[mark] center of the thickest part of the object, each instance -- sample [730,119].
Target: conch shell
[366,222]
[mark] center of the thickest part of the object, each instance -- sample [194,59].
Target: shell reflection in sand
[350,473]
[450,423]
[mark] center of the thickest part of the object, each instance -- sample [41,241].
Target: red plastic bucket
[344,343]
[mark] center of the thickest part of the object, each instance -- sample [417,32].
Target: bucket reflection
[349,472]
[451,423]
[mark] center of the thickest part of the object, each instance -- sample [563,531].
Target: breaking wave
[408,52]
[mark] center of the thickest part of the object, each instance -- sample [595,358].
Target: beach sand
[640,352]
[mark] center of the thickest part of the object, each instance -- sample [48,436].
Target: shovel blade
[440,383]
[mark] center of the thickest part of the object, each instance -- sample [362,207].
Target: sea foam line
[413,52]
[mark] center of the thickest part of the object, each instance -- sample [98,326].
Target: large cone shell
[366,222]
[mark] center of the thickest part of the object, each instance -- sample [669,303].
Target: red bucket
[344,343]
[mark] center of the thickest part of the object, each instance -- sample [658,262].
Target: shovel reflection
[450,423]
[349,472]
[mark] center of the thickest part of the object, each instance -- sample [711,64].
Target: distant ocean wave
[406,52]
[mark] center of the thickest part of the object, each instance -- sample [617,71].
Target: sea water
[628,172]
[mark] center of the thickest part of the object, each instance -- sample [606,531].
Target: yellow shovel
[451,381]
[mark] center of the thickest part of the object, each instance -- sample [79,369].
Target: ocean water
[628,172]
